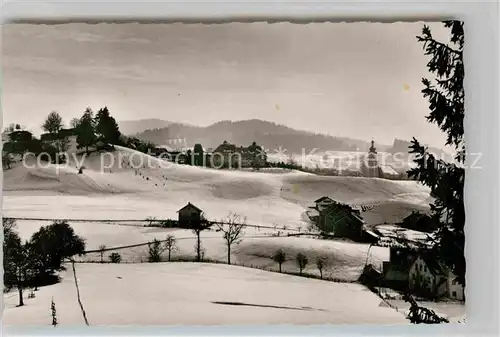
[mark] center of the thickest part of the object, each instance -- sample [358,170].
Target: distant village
[231,156]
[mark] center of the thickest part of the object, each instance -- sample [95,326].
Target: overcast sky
[361,80]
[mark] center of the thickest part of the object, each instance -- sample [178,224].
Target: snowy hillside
[346,259]
[127,184]
[190,293]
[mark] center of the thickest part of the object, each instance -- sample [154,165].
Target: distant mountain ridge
[137,126]
[267,134]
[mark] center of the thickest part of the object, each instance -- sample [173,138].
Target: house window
[454,294]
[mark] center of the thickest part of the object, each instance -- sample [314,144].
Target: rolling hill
[128,185]
[157,188]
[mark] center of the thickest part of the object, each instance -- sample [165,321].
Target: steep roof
[190,205]
[346,209]
[389,170]
[435,267]
[323,198]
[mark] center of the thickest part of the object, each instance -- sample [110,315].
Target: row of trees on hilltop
[100,131]
[33,263]
[88,129]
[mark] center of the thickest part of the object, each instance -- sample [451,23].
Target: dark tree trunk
[169,251]
[321,273]
[228,254]
[21,300]
[280,267]
[198,247]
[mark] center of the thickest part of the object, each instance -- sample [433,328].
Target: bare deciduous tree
[279,257]
[170,245]
[197,228]
[302,261]
[322,264]
[232,229]
[74,123]
[151,220]
[155,250]
[102,248]
[53,123]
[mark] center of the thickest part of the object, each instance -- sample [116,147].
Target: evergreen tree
[446,180]
[106,127]
[198,155]
[85,135]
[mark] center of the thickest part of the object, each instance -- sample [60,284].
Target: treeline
[33,263]
[93,132]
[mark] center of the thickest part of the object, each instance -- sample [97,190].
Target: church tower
[371,168]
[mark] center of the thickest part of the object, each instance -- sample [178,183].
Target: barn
[189,215]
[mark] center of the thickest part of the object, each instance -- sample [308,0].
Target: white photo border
[482,125]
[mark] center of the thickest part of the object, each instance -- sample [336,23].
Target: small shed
[189,215]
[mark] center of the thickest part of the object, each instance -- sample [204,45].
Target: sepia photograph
[233,173]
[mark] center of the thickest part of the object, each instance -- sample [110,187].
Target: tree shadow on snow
[268,306]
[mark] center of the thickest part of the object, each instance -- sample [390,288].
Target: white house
[429,277]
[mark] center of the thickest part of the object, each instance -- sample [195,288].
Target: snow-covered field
[201,294]
[130,185]
[346,259]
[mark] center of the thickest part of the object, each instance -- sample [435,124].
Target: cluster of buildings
[232,156]
[226,155]
[411,266]
[420,272]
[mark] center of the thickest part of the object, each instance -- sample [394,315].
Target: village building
[395,272]
[189,216]
[229,155]
[341,221]
[388,172]
[369,166]
[55,139]
[323,202]
[428,277]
